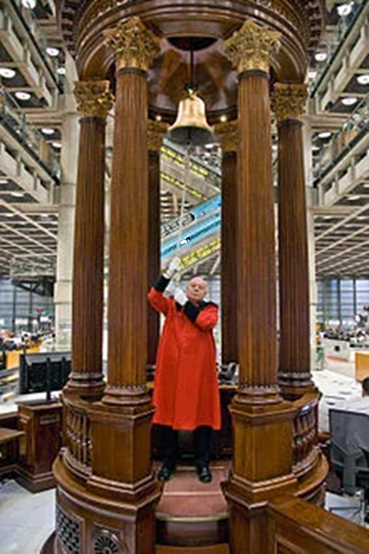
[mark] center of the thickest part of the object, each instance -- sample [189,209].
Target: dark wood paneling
[43,427]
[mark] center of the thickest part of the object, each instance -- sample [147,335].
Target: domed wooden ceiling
[299,23]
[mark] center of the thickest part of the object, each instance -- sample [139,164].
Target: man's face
[196,289]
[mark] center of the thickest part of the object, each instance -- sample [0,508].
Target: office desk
[336,391]
[362,365]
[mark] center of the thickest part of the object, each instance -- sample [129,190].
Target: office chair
[349,453]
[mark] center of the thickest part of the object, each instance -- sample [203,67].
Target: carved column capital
[134,45]
[94,98]
[251,47]
[155,133]
[289,100]
[228,135]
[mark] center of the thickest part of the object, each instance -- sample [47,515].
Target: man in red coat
[186,394]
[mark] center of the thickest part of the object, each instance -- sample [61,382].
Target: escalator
[200,229]
[200,234]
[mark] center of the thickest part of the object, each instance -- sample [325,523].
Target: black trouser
[202,437]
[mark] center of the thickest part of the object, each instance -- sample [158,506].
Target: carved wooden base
[35,482]
[87,522]
[312,486]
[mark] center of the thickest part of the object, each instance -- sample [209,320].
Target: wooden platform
[192,517]
[48,548]
[193,514]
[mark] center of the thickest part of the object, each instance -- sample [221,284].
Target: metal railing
[336,37]
[27,135]
[356,126]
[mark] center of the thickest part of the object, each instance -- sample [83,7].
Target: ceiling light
[5,182]
[31,4]
[56,145]
[344,9]
[328,217]
[324,134]
[61,71]
[315,148]
[349,100]
[22,95]
[353,197]
[17,194]
[363,79]
[7,72]
[312,73]
[158,117]
[9,215]
[223,118]
[321,56]
[53,52]
[47,131]
[366,186]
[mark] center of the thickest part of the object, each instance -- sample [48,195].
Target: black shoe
[165,473]
[204,473]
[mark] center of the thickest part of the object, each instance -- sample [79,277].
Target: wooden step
[216,549]
[193,514]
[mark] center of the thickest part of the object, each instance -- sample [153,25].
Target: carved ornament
[251,47]
[289,100]
[228,135]
[94,98]
[155,133]
[134,45]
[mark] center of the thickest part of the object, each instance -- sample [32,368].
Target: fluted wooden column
[156,132]
[127,303]
[94,101]
[262,461]
[228,134]
[256,300]
[294,364]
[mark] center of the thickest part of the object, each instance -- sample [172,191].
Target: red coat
[186,393]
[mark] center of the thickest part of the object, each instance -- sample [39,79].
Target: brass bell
[191,127]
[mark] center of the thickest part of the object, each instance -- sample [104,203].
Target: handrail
[355,128]
[29,23]
[339,43]
[299,526]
